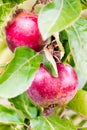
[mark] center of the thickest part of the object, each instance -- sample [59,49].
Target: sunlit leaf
[51,123]
[20,72]
[79,103]
[9,115]
[77,35]
[58,15]
[50,63]
[23,104]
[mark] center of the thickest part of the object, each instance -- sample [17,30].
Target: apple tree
[43,61]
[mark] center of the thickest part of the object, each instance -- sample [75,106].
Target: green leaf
[18,1]
[77,35]
[7,8]
[11,127]
[23,104]
[9,115]
[38,7]
[6,127]
[20,72]
[58,15]
[85,86]
[84,3]
[6,56]
[64,41]
[81,79]
[27,4]
[4,10]
[50,63]
[79,103]
[51,123]
[12,1]
[69,59]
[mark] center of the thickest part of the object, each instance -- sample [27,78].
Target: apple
[23,30]
[46,89]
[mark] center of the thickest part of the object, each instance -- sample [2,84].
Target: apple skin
[46,89]
[23,30]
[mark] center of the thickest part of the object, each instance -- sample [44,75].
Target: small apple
[23,30]
[46,89]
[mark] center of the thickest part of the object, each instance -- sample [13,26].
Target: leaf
[51,123]
[27,4]
[23,104]
[6,56]
[64,41]
[20,72]
[37,8]
[11,127]
[79,103]
[69,59]
[4,10]
[7,8]
[61,48]
[12,1]
[58,15]
[85,86]
[9,115]
[50,63]
[6,127]
[84,3]
[81,79]
[77,35]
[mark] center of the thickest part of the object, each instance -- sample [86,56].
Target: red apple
[46,89]
[23,30]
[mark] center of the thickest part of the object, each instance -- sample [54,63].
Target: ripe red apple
[23,30]
[46,89]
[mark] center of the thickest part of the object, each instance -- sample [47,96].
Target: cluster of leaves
[63,16]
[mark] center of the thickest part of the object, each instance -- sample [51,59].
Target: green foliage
[84,3]
[9,115]
[12,1]
[85,87]
[77,34]
[58,15]
[50,63]
[64,17]
[51,123]
[70,57]
[79,103]
[27,4]
[6,127]
[20,72]
[64,40]
[23,104]
[5,8]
